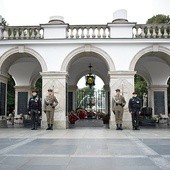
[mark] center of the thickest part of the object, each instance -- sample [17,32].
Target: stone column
[123,80]
[22,95]
[107,89]
[159,101]
[57,81]
[3,94]
[120,27]
[72,97]
[56,28]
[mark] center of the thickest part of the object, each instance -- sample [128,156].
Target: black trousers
[34,118]
[135,118]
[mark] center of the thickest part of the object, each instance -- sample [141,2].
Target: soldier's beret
[117,90]
[50,90]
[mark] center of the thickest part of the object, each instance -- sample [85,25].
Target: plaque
[22,102]
[2,98]
[70,101]
[159,102]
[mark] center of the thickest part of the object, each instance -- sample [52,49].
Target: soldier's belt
[119,104]
[49,104]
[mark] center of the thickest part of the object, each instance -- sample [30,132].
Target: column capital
[23,88]
[54,74]
[158,87]
[4,78]
[121,73]
[106,87]
[72,87]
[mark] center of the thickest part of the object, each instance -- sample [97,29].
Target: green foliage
[38,86]
[140,86]
[82,95]
[159,19]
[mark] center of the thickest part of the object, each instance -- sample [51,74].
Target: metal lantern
[90,78]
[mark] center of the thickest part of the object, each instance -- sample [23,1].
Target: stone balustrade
[151,31]
[22,32]
[88,31]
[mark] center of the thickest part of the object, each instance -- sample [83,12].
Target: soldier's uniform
[135,105]
[34,108]
[50,102]
[118,102]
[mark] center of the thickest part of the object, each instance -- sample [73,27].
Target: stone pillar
[1,28]
[22,95]
[120,27]
[57,81]
[159,101]
[56,28]
[107,108]
[3,94]
[123,80]
[72,97]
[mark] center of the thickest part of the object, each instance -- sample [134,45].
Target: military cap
[134,93]
[50,90]
[117,90]
[34,90]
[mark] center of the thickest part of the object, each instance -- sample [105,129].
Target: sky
[75,12]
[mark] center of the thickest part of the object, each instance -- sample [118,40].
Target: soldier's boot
[120,128]
[35,126]
[137,128]
[51,128]
[117,127]
[48,127]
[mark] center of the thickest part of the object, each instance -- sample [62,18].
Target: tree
[82,96]
[38,87]
[159,19]
[140,86]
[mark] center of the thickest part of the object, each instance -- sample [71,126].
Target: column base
[56,125]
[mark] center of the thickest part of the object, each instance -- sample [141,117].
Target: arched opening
[154,66]
[78,67]
[95,94]
[17,73]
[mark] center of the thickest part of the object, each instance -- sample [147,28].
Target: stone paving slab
[84,149]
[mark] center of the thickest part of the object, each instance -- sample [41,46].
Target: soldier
[135,105]
[34,109]
[50,102]
[117,106]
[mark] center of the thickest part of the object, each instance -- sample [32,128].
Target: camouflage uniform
[50,102]
[118,102]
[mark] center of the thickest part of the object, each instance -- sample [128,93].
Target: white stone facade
[61,55]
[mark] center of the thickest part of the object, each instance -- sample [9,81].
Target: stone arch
[88,48]
[154,48]
[22,49]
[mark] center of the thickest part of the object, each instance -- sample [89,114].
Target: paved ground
[84,149]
